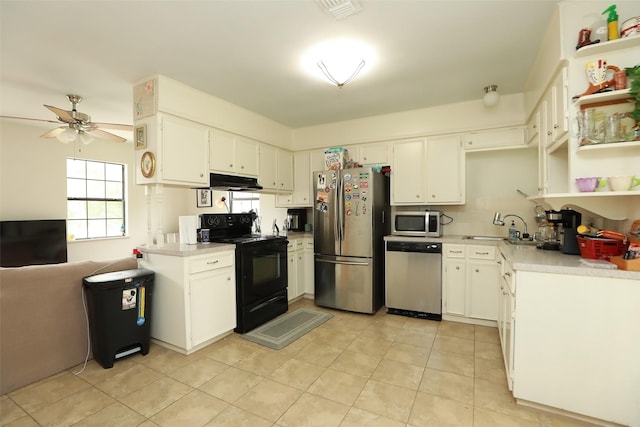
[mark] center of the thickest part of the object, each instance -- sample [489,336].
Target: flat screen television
[33,242]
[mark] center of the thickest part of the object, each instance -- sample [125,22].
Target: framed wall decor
[203,198]
[140,135]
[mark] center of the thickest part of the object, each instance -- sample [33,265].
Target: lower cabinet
[470,283]
[300,267]
[506,318]
[194,300]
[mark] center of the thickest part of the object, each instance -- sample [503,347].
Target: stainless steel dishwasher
[413,279]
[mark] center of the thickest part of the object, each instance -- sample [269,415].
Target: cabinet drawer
[454,251]
[481,252]
[299,244]
[308,244]
[211,262]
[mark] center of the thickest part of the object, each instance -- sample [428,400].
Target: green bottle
[612,22]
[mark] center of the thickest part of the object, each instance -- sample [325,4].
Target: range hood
[221,182]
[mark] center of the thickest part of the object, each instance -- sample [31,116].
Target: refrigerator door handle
[341,203]
[336,226]
[330,261]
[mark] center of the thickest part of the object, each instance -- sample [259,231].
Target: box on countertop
[336,158]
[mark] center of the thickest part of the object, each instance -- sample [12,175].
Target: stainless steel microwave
[416,224]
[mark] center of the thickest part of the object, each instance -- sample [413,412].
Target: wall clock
[148,164]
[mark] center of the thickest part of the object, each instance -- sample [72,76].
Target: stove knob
[215,221]
[245,219]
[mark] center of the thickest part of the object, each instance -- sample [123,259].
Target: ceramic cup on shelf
[590,184]
[623,183]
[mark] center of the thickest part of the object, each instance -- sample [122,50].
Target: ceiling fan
[79,125]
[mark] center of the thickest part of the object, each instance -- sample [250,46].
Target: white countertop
[181,249]
[530,258]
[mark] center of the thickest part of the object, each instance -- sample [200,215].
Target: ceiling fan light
[66,136]
[491,96]
[85,138]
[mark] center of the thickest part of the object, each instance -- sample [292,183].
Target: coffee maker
[296,218]
[570,222]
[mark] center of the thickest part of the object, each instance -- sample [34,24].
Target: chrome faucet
[498,219]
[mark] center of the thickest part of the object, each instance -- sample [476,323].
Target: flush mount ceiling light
[491,96]
[340,9]
[338,61]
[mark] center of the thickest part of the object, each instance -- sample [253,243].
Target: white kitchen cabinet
[557,98]
[495,139]
[408,175]
[483,282]
[578,333]
[470,283]
[194,301]
[445,172]
[533,128]
[292,269]
[506,318]
[302,179]
[370,154]
[268,167]
[180,148]
[454,280]
[285,170]
[233,154]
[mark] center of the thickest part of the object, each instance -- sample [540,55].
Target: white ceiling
[247,52]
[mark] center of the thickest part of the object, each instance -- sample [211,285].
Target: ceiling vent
[340,9]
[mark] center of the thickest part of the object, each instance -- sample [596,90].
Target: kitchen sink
[525,243]
[490,238]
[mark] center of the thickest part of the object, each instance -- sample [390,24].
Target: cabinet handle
[458,268]
[212,262]
[507,274]
[417,196]
[229,278]
[230,165]
[477,270]
[482,253]
[555,126]
[242,167]
[470,142]
[535,126]
[548,132]
[201,175]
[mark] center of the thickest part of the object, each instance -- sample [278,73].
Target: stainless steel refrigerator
[351,216]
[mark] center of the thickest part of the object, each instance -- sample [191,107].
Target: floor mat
[282,331]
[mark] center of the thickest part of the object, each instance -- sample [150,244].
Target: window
[95,199]
[242,201]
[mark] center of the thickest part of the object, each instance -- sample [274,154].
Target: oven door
[262,270]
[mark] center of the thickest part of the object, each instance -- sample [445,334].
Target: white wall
[451,118]
[33,184]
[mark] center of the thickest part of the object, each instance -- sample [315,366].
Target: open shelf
[610,146]
[604,47]
[610,204]
[612,95]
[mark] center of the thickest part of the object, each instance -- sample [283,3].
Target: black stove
[261,268]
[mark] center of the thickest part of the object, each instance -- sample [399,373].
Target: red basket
[597,248]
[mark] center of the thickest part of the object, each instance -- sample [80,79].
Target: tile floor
[354,370]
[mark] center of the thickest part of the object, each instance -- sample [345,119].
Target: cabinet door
[184,151]
[560,99]
[408,174]
[455,293]
[292,275]
[374,154]
[484,289]
[285,170]
[246,156]
[316,160]
[302,179]
[495,139]
[268,176]
[213,304]
[533,128]
[301,275]
[445,170]
[222,151]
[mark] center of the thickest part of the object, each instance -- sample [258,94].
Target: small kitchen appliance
[552,233]
[296,218]
[570,222]
[416,223]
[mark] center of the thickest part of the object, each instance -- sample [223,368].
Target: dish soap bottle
[612,22]
[513,232]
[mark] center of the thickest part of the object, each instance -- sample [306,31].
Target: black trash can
[119,309]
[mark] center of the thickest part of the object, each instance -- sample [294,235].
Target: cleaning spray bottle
[612,22]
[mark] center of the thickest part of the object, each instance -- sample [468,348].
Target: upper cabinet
[233,154]
[428,172]
[377,153]
[268,167]
[495,139]
[445,170]
[408,176]
[175,151]
[557,98]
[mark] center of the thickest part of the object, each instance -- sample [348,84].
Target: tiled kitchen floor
[354,370]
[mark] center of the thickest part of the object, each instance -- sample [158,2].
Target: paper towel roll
[188,229]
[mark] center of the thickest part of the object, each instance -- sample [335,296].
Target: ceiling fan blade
[63,114]
[53,133]
[28,118]
[114,126]
[105,135]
